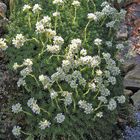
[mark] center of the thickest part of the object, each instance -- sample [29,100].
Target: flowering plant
[67,69]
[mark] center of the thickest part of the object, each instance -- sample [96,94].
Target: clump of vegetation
[65,56]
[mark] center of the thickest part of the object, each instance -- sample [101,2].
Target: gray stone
[136,98]
[132,79]
[128,92]
[127,66]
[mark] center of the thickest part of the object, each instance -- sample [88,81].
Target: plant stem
[29,21]
[59,86]
[45,111]
[85,36]
[75,14]
[33,76]
[86,92]
[27,113]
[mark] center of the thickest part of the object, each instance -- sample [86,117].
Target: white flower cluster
[97,41]
[19,41]
[26,7]
[112,104]
[44,124]
[108,10]
[89,61]
[57,43]
[56,14]
[58,2]
[33,105]
[21,82]
[58,75]
[121,99]
[60,118]
[76,3]
[111,64]
[16,108]
[24,72]
[3,45]
[111,24]
[103,99]
[86,106]
[92,16]
[36,8]
[92,86]
[53,94]
[43,24]
[46,81]
[120,46]
[16,130]
[74,79]
[68,98]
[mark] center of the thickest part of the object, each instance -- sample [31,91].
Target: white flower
[15,66]
[58,40]
[53,94]
[76,3]
[31,101]
[36,8]
[56,14]
[97,41]
[19,41]
[83,52]
[121,99]
[68,98]
[46,81]
[112,80]
[102,99]
[92,16]
[53,49]
[58,2]
[104,91]
[99,114]
[50,33]
[99,72]
[105,3]
[26,71]
[26,7]
[16,108]
[28,62]
[3,45]
[108,10]
[40,27]
[16,130]
[60,118]
[120,46]
[82,104]
[109,44]
[46,21]
[35,108]
[21,82]
[92,86]
[110,24]
[86,106]
[32,104]
[112,104]
[77,41]
[44,124]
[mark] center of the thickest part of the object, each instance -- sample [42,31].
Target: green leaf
[30,137]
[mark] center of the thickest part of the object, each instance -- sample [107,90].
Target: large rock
[136,99]
[127,66]
[132,79]
[128,92]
